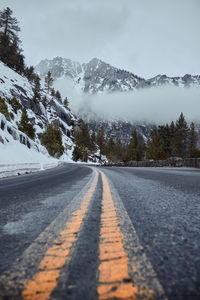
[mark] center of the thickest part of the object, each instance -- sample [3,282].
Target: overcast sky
[147,37]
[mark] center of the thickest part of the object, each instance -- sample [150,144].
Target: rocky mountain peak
[97,76]
[95,62]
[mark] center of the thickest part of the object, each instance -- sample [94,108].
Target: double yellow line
[45,281]
[114,281]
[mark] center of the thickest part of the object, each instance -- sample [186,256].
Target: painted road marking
[124,270]
[116,277]
[114,280]
[46,279]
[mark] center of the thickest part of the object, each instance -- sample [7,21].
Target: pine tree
[48,82]
[155,147]
[26,126]
[4,108]
[77,153]
[132,149]
[135,148]
[10,51]
[86,141]
[101,141]
[195,153]
[15,104]
[66,102]
[140,148]
[110,149]
[58,96]
[8,24]
[82,136]
[84,144]
[80,153]
[52,140]
[36,89]
[181,136]
[164,131]
[29,73]
[93,147]
[53,92]
[118,151]
[172,130]
[192,140]
[113,150]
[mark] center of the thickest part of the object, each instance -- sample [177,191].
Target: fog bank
[152,105]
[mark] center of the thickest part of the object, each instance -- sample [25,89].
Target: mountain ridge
[97,76]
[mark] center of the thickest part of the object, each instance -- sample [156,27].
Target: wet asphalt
[162,204]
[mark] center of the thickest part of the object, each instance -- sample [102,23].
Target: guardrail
[171,162]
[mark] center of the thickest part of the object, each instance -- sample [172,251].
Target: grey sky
[147,37]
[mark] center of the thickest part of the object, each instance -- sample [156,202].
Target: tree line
[95,146]
[175,140]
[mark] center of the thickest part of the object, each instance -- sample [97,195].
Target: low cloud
[153,105]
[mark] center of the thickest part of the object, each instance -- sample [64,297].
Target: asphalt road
[78,232]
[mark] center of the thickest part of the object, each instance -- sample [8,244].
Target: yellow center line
[114,279]
[45,281]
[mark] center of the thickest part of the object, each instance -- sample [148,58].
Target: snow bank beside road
[16,158]
[8,170]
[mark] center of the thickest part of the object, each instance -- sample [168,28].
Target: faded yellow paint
[45,281]
[117,291]
[114,280]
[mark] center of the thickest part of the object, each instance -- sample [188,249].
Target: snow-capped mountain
[185,81]
[14,85]
[97,76]
[60,67]
[92,77]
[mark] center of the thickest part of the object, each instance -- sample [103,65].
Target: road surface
[81,232]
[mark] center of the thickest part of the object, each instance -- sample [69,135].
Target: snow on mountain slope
[16,146]
[185,81]
[97,76]
[92,77]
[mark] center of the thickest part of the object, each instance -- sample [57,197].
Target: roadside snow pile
[18,152]
[17,158]
[8,170]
